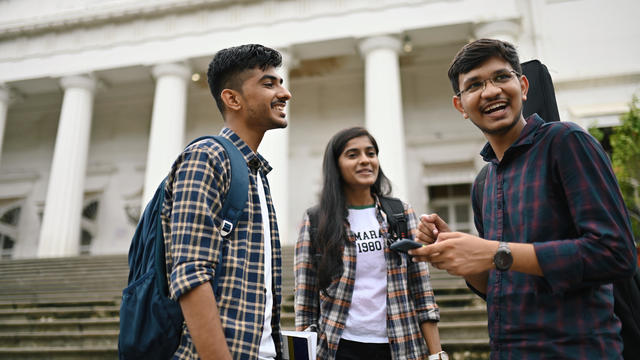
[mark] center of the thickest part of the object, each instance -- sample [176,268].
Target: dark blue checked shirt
[199,180]
[555,188]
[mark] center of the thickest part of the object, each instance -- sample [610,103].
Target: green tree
[625,157]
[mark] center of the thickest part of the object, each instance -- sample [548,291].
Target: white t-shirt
[267,346]
[367,318]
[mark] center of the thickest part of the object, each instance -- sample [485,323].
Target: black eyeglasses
[497,80]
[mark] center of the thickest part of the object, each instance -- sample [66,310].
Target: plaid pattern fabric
[410,299]
[555,188]
[199,180]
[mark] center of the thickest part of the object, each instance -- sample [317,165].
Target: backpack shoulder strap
[236,199]
[312,212]
[238,194]
[398,224]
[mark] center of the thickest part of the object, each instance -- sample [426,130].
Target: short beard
[502,130]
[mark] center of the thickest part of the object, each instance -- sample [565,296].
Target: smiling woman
[347,267]
[359,169]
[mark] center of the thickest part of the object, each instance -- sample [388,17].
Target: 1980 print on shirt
[367,241]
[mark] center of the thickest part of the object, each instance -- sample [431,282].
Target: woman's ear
[231,99]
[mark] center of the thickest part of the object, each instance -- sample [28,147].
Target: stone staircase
[463,317]
[67,308]
[62,308]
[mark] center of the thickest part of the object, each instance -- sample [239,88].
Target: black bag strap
[313,231]
[396,218]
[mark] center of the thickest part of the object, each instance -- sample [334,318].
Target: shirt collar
[534,122]
[254,160]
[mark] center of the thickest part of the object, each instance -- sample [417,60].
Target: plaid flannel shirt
[555,189]
[410,299]
[199,180]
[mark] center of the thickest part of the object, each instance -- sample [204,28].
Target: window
[85,242]
[89,225]
[6,246]
[11,217]
[453,204]
[9,220]
[133,211]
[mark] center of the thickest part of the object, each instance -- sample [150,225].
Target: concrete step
[454,314]
[467,299]
[72,270]
[68,267]
[111,294]
[69,312]
[442,284]
[62,352]
[91,324]
[62,286]
[467,349]
[77,271]
[94,283]
[288,321]
[86,300]
[104,338]
[463,330]
[89,262]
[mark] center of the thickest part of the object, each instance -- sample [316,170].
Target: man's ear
[524,86]
[231,99]
[457,103]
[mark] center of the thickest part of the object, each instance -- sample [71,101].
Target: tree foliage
[625,157]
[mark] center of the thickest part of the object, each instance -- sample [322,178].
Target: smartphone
[405,245]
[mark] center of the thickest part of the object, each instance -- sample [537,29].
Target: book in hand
[299,345]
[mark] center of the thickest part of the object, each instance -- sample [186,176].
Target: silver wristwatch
[442,355]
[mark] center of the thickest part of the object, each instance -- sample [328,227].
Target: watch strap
[438,356]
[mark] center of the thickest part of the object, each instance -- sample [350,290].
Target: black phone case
[405,245]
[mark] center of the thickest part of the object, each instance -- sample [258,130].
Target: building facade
[97,97]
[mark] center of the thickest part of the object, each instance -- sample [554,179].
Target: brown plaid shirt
[410,299]
[198,182]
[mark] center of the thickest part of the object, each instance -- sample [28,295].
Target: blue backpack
[150,322]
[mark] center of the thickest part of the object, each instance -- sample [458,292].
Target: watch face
[503,259]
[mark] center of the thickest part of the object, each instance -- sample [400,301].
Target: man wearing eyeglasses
[553,229]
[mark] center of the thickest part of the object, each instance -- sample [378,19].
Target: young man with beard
[554,232]
[241,321]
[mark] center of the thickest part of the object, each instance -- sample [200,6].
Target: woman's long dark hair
[332,212]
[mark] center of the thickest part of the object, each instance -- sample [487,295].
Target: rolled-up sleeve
[419,279]
[198,178]
[306,281]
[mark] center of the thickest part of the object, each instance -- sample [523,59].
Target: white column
[383,107]
[4,108]
[504,30]
[60,232]
[275,148]
[166,138]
